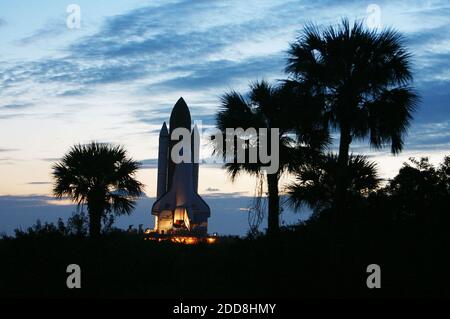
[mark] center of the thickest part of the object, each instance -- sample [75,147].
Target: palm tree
[364,79]
[315,184]
[270,107]
[100,176]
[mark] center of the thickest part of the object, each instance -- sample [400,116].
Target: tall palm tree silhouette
[100,176]
[269,106]
[364,77]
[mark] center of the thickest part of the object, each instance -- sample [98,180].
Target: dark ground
[301,263]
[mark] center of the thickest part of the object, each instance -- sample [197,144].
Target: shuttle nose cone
[180,117]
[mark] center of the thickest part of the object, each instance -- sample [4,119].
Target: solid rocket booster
[162,161]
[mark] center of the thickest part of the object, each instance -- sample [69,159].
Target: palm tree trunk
[342,175]
[95,219]
[339,216]
[274,204]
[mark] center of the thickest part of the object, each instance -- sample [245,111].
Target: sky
[116,77]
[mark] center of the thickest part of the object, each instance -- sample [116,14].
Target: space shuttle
[178,207]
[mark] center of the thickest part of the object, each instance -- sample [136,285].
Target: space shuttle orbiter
[178,206]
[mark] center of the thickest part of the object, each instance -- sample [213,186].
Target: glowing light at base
[180,239]
[186,240]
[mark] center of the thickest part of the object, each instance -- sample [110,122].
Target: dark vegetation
[300,263]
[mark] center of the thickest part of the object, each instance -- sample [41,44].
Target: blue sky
[116,78]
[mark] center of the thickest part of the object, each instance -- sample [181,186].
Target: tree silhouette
[269,106]
[364,79]
[100,176]
[315,184]
[421,192]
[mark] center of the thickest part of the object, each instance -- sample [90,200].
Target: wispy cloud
[7,161]
[149,163]
[39,183]
[15,106]
[51,29]
[50,159]
[177,38]
[5,150]
[193,45]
